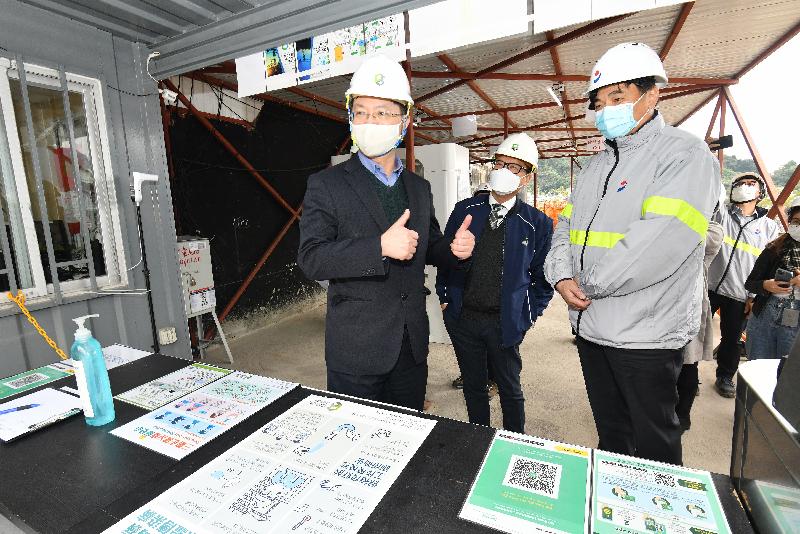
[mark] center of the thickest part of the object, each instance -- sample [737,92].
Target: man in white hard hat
[489,307]
[747,231]
[369,227]
[627,256]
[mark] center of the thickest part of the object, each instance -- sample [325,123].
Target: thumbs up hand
[399,242]
[464,241]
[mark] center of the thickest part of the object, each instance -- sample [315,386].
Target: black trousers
[731,323]
[477,342]
[633,398]
[404,385]
[688,383]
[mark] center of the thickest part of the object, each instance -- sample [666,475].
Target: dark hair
[644,85]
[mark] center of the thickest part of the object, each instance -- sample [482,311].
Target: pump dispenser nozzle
[82,332]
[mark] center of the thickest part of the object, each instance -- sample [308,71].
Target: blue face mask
[616,121]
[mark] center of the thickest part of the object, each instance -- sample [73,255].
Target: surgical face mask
[616,121]
[503,181]
[744,193]
[376,139]
[794,231]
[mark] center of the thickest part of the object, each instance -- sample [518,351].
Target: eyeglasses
[380,115]
[513,167]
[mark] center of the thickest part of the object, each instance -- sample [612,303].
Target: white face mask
[376,139]
[503,181]
[794,231]
[744,193]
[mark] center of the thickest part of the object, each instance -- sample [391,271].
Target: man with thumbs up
[369,227]
[489,307]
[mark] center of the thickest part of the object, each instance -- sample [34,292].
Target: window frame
[109,210]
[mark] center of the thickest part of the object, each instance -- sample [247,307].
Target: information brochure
[115,355]
[529,484]
[319,468]
[638,496]
[36,410]
[166,389]
[188,423]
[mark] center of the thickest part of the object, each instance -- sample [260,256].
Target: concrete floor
[556,404]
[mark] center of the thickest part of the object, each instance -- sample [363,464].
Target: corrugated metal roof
[720,38]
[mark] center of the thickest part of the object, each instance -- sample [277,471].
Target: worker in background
[489,308]
[627,255]
[369,227]
[701,347]
[747,231]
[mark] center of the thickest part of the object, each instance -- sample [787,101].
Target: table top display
[322,467]
[644,497]
[529,484]
[202,413]
[309,459]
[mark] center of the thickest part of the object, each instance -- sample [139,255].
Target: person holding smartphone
[775,279]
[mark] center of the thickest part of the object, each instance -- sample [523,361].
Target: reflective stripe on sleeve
[744,247]
[680,209]
[596,239]
[567,211]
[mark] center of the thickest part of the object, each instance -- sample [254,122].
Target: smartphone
[782,276]
[726,141]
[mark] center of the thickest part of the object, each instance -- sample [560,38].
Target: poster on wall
[529,484]
[319,57]
[643,497]
[319,468]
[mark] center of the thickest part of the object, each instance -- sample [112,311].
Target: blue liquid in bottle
[92,376]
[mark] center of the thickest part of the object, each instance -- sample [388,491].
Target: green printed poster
[529,484]
[29,380]
[638,496]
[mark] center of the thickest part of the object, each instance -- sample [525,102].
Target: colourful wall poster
[185,424]
[30,379]
[319,468]
[642,497]
[529,484]
[173,386]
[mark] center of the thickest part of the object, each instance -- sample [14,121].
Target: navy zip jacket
[525,293]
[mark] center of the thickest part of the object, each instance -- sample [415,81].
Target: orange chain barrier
[19,300]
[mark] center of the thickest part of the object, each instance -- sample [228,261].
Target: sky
[767,99]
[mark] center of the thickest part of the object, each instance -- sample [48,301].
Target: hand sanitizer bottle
[92,376]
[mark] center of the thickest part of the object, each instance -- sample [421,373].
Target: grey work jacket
[633,236]
[742,244]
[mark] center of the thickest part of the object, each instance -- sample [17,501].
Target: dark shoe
[458,383]
[492,388]
[725,387]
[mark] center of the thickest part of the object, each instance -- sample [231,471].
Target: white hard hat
[520,146]
[625,62]
[380,77]
[792,206]
[749,175]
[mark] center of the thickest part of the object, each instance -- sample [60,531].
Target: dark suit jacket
[370,299]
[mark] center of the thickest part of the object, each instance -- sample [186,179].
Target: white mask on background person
[744,193]
[503,181]
[794,231]
[376,139]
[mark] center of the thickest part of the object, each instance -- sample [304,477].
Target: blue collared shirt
[378,171]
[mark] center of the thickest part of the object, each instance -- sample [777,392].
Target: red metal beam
[564,99]
[676,29]
[230,148]
[450,64]
[760,165]
[501,129]
[213,116]
[787,190]
[713,118]
[722,108]
[316,98]
[527,77]
[411,161]
[580,32]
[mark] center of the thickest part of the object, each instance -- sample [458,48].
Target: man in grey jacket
[747,231]
[627,256]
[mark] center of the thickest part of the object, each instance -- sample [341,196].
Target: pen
[54,419]
[19,408]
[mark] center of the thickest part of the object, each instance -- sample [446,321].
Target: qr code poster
[529,484]
[29,380]
[534,476]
